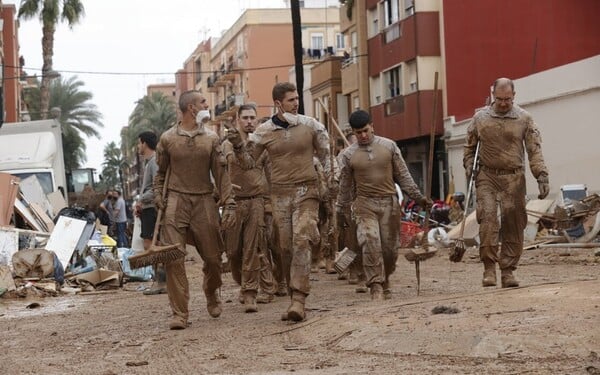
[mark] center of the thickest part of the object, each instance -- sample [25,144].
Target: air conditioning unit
[413,86]
[239,99]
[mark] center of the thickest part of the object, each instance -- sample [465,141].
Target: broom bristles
[459,250]
[155,255]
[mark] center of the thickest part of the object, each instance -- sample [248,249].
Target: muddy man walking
[291,140]
[504,132]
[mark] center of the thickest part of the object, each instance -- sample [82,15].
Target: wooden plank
[26,214]
[34,193]
[9,186]
[42,215]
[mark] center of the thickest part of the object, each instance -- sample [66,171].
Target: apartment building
[13,107]
[257,51]
[470,43]
[551,49]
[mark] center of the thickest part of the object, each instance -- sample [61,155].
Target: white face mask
[202,116]
[291,118]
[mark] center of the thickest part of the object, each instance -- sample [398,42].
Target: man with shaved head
[504,132]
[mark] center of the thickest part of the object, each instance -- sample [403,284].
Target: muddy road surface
[549,325]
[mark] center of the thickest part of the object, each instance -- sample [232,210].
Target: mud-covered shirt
[251,179]
[372,171]
[195,159]
[503,140]
[290,149]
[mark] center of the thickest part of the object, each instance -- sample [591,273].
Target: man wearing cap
[368,171]
[291,140]
[504,132]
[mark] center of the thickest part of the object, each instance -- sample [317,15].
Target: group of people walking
[261,193]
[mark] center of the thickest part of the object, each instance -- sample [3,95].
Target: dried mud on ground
[550,325]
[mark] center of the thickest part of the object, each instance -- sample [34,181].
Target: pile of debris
[47,248]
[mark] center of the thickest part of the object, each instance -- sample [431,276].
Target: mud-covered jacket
[503,140]
[195,159]
[251,179]
[290,149]
[371,171]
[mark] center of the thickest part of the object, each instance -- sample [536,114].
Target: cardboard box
[101,277]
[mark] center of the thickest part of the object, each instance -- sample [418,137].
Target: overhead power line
[235,70]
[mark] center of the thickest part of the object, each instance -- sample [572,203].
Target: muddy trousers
[245,246]
[273,253]
[506,193]
[295,215]
[198,215]
[348,239]
[378,235]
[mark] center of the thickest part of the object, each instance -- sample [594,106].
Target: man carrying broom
[368,171]
[187,154]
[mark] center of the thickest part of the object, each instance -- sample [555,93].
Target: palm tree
[112,174]
[77,115]
[156,112]
[49,12]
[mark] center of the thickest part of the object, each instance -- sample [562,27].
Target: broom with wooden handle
[459,245]
[157,254]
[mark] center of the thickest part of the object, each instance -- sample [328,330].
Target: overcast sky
[119,43]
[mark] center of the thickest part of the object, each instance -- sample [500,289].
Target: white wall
[564,103]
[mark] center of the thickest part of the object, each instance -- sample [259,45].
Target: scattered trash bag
[59,271]
[76,213]
[138,274]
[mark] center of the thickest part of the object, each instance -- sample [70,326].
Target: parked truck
[34,148]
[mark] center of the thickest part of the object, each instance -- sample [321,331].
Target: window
[340,43]
[356,102]
[409,7]
[411,72]
[393,82]
[373,21]
[198,70]
[391,12]
[354,37]
[316,41]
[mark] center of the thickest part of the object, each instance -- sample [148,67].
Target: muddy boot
[213,304]
[296,310]
[343,275]
[264,297]
[241,297]
[250,301]
[508,279]
[314,267]
[177,323]
[362,288]
[155,289]
[377,292]
[387,294]
[352,277]
[282,289]
[489,274]
[329,269]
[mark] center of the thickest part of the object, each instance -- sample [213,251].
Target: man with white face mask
[188,154]
[291,140]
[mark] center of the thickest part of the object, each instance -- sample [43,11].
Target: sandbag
[33,263]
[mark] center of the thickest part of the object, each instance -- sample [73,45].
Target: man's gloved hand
[544,186]
[425,202]
[233,135]
[228,217]
[159,202]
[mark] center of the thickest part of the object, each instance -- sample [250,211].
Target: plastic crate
[408,231]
